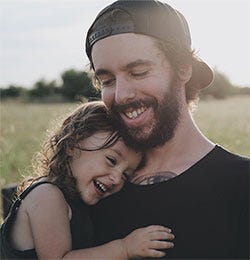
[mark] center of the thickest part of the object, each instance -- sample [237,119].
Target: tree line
[77,85]
[74,85]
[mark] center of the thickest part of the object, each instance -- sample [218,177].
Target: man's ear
[185,73]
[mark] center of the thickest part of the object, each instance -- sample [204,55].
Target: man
[140,52]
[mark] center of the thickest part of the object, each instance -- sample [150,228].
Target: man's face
[139,86]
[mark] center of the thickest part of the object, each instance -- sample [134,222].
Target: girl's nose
[116,177]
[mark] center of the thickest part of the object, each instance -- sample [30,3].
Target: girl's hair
[53,161]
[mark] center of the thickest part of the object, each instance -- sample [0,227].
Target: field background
[23,129]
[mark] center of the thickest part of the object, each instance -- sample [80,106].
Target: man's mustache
[147,102]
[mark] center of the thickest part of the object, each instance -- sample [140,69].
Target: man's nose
[125,91]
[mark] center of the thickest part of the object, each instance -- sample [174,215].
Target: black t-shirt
[207,208]
[81,227]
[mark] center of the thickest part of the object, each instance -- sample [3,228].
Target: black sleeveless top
[80,224]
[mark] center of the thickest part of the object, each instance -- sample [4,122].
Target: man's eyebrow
[136,63]
[101,72]
[131,65]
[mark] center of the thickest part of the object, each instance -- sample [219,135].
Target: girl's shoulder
[40,209]
[43,194]
[42,189]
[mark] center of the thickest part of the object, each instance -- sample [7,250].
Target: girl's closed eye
[111,161]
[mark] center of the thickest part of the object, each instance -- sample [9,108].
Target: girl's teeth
[100,186]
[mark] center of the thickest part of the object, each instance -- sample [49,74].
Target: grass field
[23,128]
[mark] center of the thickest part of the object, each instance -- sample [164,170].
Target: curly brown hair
[52,162]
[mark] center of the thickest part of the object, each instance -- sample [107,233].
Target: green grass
[226,122]
[23,129]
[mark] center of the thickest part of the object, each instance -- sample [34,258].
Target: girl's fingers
[161,245]
[155,253]
[159,235]
[154,228]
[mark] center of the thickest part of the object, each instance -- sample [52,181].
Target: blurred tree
[77,84]
[43,89]
[11,92]
[238,90]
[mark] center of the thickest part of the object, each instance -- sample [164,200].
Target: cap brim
[204,73]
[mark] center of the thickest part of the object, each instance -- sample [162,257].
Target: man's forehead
[129,49]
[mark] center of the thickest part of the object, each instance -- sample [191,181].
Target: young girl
[83,162]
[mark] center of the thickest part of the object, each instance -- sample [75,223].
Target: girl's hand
[147,242]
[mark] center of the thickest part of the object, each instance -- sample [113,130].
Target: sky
[40,39]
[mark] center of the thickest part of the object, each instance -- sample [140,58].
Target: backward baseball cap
[152,18]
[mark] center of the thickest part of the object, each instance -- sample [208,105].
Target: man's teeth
[135,113]
[100,186]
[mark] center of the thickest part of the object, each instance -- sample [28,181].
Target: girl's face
[103,172]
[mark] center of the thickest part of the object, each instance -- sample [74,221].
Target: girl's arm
[49,218]
[143,242]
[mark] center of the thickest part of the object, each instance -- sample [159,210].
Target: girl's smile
[102,172]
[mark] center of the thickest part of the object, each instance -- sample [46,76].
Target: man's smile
[134,113]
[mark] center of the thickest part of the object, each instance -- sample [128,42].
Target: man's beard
[166,115]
